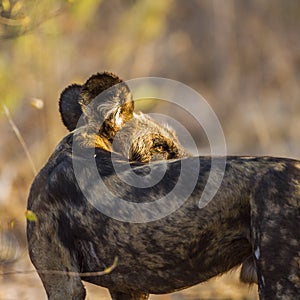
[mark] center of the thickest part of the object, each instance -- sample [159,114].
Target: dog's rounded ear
[106,102]
[69,106]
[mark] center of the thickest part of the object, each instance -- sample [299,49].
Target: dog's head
[109,121]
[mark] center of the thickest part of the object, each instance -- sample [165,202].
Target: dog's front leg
[56,268]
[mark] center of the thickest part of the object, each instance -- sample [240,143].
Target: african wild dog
[140,139]
[253,216]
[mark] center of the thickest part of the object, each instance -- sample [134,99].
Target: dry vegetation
[242,56]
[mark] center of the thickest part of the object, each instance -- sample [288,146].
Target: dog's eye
[159,148]
[160,145]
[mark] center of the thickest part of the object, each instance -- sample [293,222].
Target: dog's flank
[251,220]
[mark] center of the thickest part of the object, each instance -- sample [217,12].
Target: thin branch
[28,25]
[20,138]
[56,272]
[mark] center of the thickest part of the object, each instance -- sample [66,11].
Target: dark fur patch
[69,107]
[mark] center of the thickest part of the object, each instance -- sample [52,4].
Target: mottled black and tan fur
[253,218]
[110,123]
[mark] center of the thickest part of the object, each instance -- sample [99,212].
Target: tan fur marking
[102,143]
[280,167]
[297,165]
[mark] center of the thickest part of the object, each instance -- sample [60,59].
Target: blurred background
[243,57]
